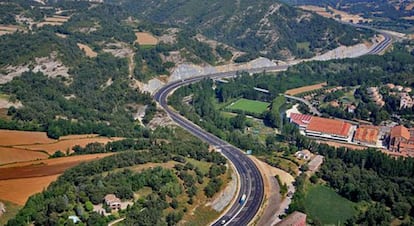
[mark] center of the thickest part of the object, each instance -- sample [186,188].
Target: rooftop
[329,126]
[300,119]
[400,131]
[367,134]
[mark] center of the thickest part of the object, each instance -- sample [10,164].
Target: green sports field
[327,206]
[252,106]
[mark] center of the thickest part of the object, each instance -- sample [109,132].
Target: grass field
[326,205]
[252,106]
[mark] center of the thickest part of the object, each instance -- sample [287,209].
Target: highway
[251,181]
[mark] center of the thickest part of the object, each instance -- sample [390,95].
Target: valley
[110,83]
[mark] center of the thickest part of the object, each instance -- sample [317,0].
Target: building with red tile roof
[322,127]
[402,140]
[300,120]
[329,128]
[366,135]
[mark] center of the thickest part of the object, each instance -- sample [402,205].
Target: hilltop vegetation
[265,28]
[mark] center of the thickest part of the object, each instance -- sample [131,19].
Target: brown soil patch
[21,180]
[12,137]
[88,51]
[47,167]
[145,38]
[303,89]
[338,144]
[10,155]
[410,6]
[64,145]
[19,190]
[57,161]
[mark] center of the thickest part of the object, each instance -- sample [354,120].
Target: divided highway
[251,181]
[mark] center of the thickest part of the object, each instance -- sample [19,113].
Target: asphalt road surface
[251,181]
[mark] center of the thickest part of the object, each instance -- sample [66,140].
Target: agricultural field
[325,205]
[249,106]
[145,38]
[14,178]
[22,146]
[303,89]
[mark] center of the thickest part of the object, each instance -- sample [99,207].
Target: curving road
[251,181]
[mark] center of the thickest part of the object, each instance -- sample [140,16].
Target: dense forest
[173,190]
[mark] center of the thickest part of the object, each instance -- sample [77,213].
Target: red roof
[368,134]
[300,119]
[400,131]
[329,126]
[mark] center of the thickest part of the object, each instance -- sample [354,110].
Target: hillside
[84,62]
[266,28]
[385,14]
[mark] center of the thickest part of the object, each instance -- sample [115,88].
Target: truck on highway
[242,199]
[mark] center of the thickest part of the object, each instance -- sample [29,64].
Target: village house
[304,154]
[112,201]
[406,101]
[402,140]
[375,96]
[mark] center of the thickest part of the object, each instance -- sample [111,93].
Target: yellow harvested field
[346,17]
[7,29]
[19,190]
[60,19]
[21,146]
[88,51]
[11,155]
[13,137]
[64,145]
[145,38]
[303,89]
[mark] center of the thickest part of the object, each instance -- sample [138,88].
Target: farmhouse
[323,128]
[402,140]
[112,201]
[367,135]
